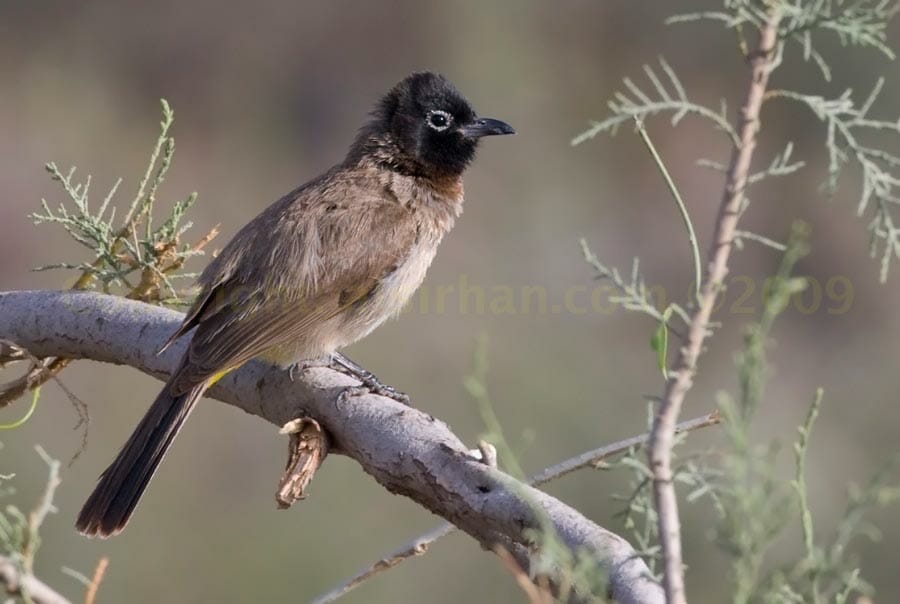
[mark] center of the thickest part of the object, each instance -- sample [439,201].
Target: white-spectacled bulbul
[317,270]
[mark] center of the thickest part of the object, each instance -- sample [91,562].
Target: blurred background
[269,94]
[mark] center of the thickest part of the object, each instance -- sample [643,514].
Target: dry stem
[680,381]
[307,449]
[94,585]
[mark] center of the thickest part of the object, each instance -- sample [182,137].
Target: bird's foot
[367,379]
[376,387]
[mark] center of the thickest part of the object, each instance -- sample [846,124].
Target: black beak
[485,126]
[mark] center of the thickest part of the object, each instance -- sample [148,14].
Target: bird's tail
[107,510]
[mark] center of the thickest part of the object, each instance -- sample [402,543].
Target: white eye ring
[439,120]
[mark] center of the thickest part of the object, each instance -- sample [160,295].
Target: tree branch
[662,436]
[18,584]
[407,451]
[420,545]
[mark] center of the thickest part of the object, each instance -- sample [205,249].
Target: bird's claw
[376,387]
[367,379]
[373,387]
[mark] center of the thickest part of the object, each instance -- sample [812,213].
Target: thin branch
[420,545]
[35,395]
[847,123]
[415,548]
[806,521]
[681,378]
[18,584]
[594,457]
[682,209]
[39,513]
[634,295]
[669,97]
[740,236]
[99,572]
[21,539]
[141,199]
[407,451]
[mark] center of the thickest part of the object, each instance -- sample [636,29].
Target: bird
[316,271]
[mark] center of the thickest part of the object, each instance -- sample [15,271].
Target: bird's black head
[425,126]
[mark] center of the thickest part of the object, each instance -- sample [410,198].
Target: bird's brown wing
[268,301]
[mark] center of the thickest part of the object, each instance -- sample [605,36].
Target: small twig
[39,513]
[682,209]
[99,572]
[307,450]
[140,201]
[19,584]
[634,294]
[806,520]
[670,98]
[41,371]
[421,544]
[681,378]
[488,453]
[595,457]
[10,352]
[739,236]
[35,395]
[413,549]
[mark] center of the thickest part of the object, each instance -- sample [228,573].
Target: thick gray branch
[407,451]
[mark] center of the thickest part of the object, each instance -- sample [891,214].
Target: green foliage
[35,395]
[550,556]
[134,255]
[476,385]
[781,165]
[633,293]
[846,125]
[638,514]
[778,291]
[855,22]
[20,531]
[659,343]
[753,504]
[861,23]
[679,202]
[756,507]
[636,104]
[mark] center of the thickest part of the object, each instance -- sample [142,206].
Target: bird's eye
[439,120]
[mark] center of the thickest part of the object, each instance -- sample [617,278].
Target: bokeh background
[268,94]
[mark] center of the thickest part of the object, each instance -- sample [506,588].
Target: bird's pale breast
[434,211]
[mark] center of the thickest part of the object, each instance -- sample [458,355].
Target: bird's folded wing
[254,311]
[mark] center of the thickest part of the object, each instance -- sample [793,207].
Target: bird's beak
[485,126]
